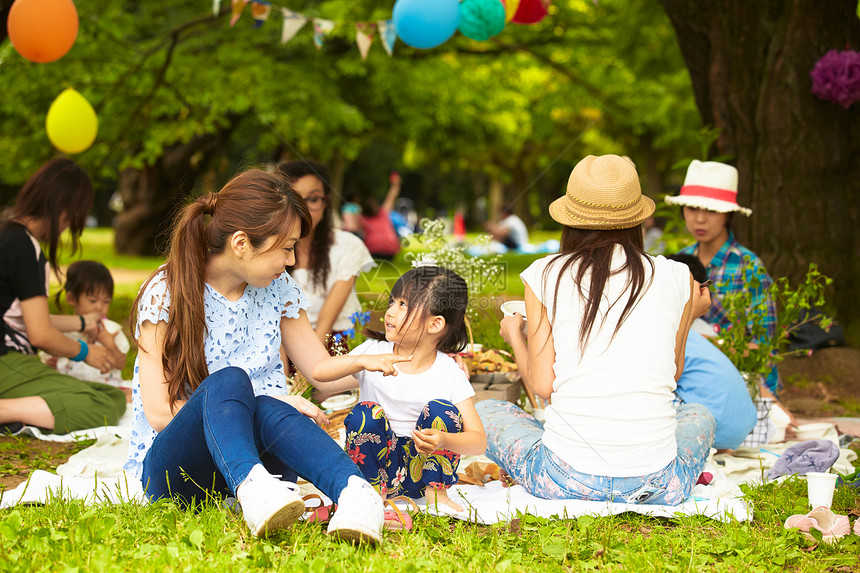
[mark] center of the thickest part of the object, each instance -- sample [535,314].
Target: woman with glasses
[328,260]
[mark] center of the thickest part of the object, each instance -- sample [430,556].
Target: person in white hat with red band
[709,200]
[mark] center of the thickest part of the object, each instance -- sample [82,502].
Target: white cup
[514,306]
[820,487]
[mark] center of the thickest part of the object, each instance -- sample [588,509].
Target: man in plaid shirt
[709,201]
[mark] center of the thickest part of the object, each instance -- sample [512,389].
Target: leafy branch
[745,340]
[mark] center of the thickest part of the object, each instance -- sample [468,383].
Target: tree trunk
[797,155]
[150,195]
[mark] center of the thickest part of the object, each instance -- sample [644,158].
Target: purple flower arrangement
[836,77]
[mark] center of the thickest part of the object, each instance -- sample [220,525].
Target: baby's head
[89,287]
[433,293]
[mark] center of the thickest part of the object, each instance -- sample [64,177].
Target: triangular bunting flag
[237,7]
[260,10]
[364,37]
[293,22]
[322,28]
[216,7]
[387,35]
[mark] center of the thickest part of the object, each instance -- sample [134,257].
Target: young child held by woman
[89,289]
[416,416]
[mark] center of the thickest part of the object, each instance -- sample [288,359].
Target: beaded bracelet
[82,354]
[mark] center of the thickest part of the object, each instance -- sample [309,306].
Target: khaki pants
[75,404]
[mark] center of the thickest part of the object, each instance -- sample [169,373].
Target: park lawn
[67,536]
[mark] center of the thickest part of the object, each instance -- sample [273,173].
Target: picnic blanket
[95,475]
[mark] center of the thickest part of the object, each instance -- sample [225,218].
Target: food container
[812,431]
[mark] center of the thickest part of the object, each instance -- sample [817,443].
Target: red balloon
[530,11]
[43,30]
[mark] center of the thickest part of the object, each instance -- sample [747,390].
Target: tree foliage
[168,77]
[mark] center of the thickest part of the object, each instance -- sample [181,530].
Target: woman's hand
[99,358]
[428,441]
[383,363]
[307,408]
[512,328]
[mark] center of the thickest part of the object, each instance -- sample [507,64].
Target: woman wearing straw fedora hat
[606,334]
[708,199]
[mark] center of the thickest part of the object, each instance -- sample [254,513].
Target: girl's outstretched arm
[472,441]
[336,367]
[301,344]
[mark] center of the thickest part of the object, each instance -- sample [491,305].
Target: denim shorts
[514,442]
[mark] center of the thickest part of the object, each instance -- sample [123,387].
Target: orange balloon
[43,30]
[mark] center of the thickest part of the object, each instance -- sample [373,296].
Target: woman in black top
[57,197]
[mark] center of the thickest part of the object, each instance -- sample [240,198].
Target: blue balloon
[426,23]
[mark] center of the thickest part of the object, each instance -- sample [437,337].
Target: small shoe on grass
[268,504]
[359,514]
[831,526]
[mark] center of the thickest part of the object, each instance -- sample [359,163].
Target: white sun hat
[712,186]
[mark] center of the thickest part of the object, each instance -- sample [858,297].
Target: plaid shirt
[725,270]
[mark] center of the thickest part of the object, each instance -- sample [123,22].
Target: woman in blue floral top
[211,410]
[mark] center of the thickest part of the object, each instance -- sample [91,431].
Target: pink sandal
[831,526]
[397,520]
[320,513]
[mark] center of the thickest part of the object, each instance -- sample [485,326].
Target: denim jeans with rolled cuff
[514,442]
[223,430]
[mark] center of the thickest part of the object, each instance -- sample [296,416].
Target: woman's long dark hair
[260,204]
[323,236]
[59,186]
[591,251]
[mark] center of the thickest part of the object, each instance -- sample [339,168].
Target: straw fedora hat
[712,186]
[602,193]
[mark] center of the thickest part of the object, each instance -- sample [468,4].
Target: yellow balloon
[511,9]
[71,123]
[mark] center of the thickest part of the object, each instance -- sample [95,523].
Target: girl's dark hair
[436,291]
[323,236]
[260,204]
[591,251]
[86,277]
[59,186]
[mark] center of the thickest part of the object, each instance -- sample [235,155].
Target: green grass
[67,536]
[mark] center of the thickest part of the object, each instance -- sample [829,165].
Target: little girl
[89,289]
[414,420]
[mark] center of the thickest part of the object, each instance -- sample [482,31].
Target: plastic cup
[820,487]
[514,306]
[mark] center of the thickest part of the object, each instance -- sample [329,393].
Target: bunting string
[293,22]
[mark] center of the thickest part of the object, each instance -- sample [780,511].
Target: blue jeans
[514,442]
[391,463]
[224,430]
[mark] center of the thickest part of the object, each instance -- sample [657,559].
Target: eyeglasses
[316,202]
[706,284]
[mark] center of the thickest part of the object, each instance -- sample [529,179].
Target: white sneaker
[268,504]
[358,517]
